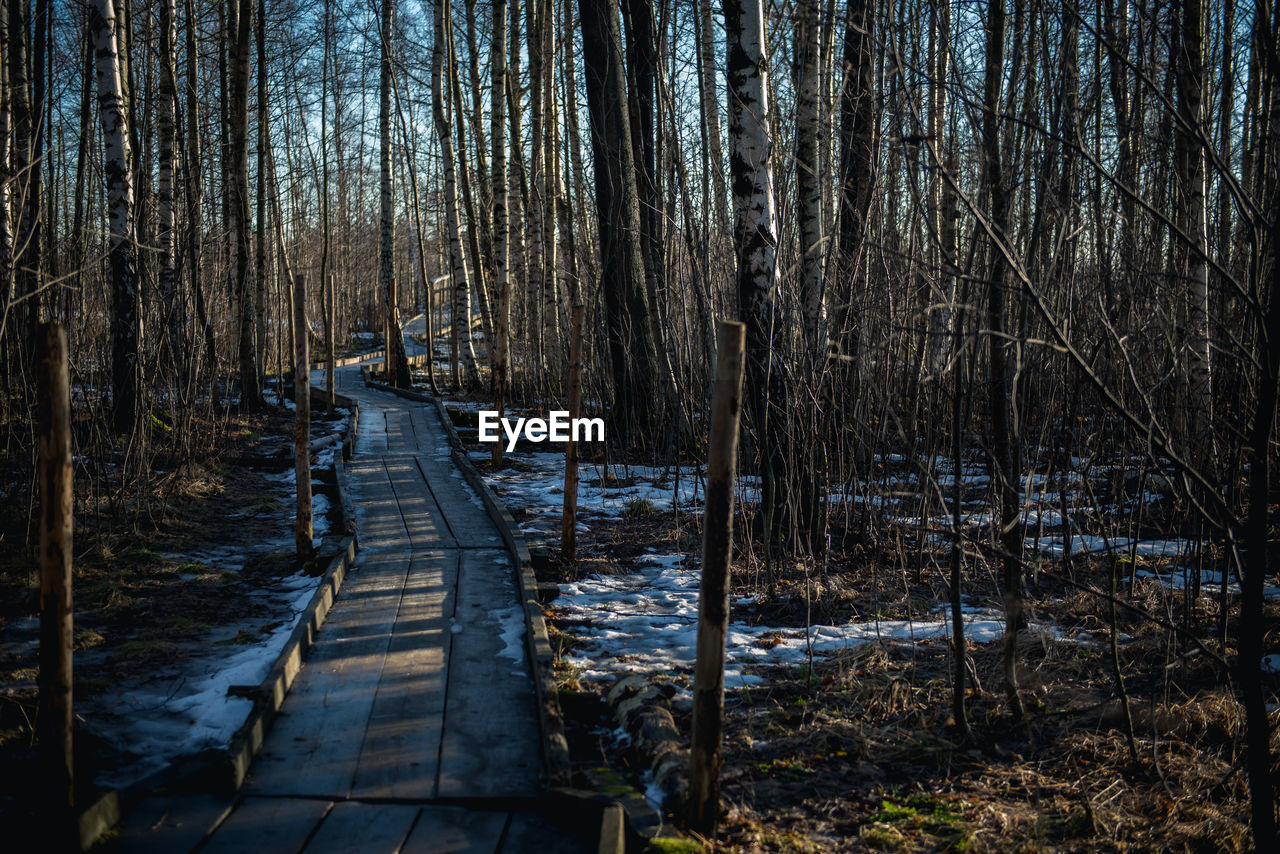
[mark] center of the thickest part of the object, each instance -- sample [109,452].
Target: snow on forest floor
[648,619]
[189,708]
[645,617]
[161,679]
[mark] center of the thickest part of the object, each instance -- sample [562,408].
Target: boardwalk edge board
[224,769]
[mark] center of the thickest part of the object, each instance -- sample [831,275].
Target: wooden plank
[423,521]
[164,824]
[432,439]
[400,753]
[409,424]
[276,825]
[371,435]
[311,749]
[466,517]
[455,830]
[490,746]
[378,518]
[367,828]
[462,508]
[532,833]
[398,441]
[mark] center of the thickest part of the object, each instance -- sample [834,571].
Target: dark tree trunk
[238,207]
[632,350]
[397,364]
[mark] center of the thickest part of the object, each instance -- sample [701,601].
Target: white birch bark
[751,148]
[463,357]
[501,283]
[6,234]
[166,109]
[534,257]
[755,238]
[125,314]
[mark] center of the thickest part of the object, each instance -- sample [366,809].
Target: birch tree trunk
[553,317]
[484,191]
[126,318]
[474,230]
[535,250]
[83,194]
[411,157]
[397,365]
[6,176]
[166,109]
[755,239]
[261,276]
[517,183]
[326,274]
[463,359]
[25,191]
[501,284]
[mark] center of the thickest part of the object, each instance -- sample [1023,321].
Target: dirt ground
[860,752]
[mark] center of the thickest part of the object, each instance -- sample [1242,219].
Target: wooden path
[413,724]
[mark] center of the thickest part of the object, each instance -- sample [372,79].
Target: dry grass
[861,754]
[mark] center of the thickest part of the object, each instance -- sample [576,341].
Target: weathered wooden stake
[569,520]
[53,419]
[713,594]
[302,429]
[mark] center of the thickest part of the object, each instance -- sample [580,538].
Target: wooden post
[302,429]
[569,520]
[53,419]
[328,342]
[713,593]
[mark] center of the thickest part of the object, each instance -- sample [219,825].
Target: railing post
[302,428]
[713,594]
[53,420]
[569,519]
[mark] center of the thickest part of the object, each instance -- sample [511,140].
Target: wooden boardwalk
[413,724]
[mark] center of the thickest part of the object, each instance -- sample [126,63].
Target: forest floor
[185,583]
[839,733]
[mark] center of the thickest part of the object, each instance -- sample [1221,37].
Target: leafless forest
[1008,270]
